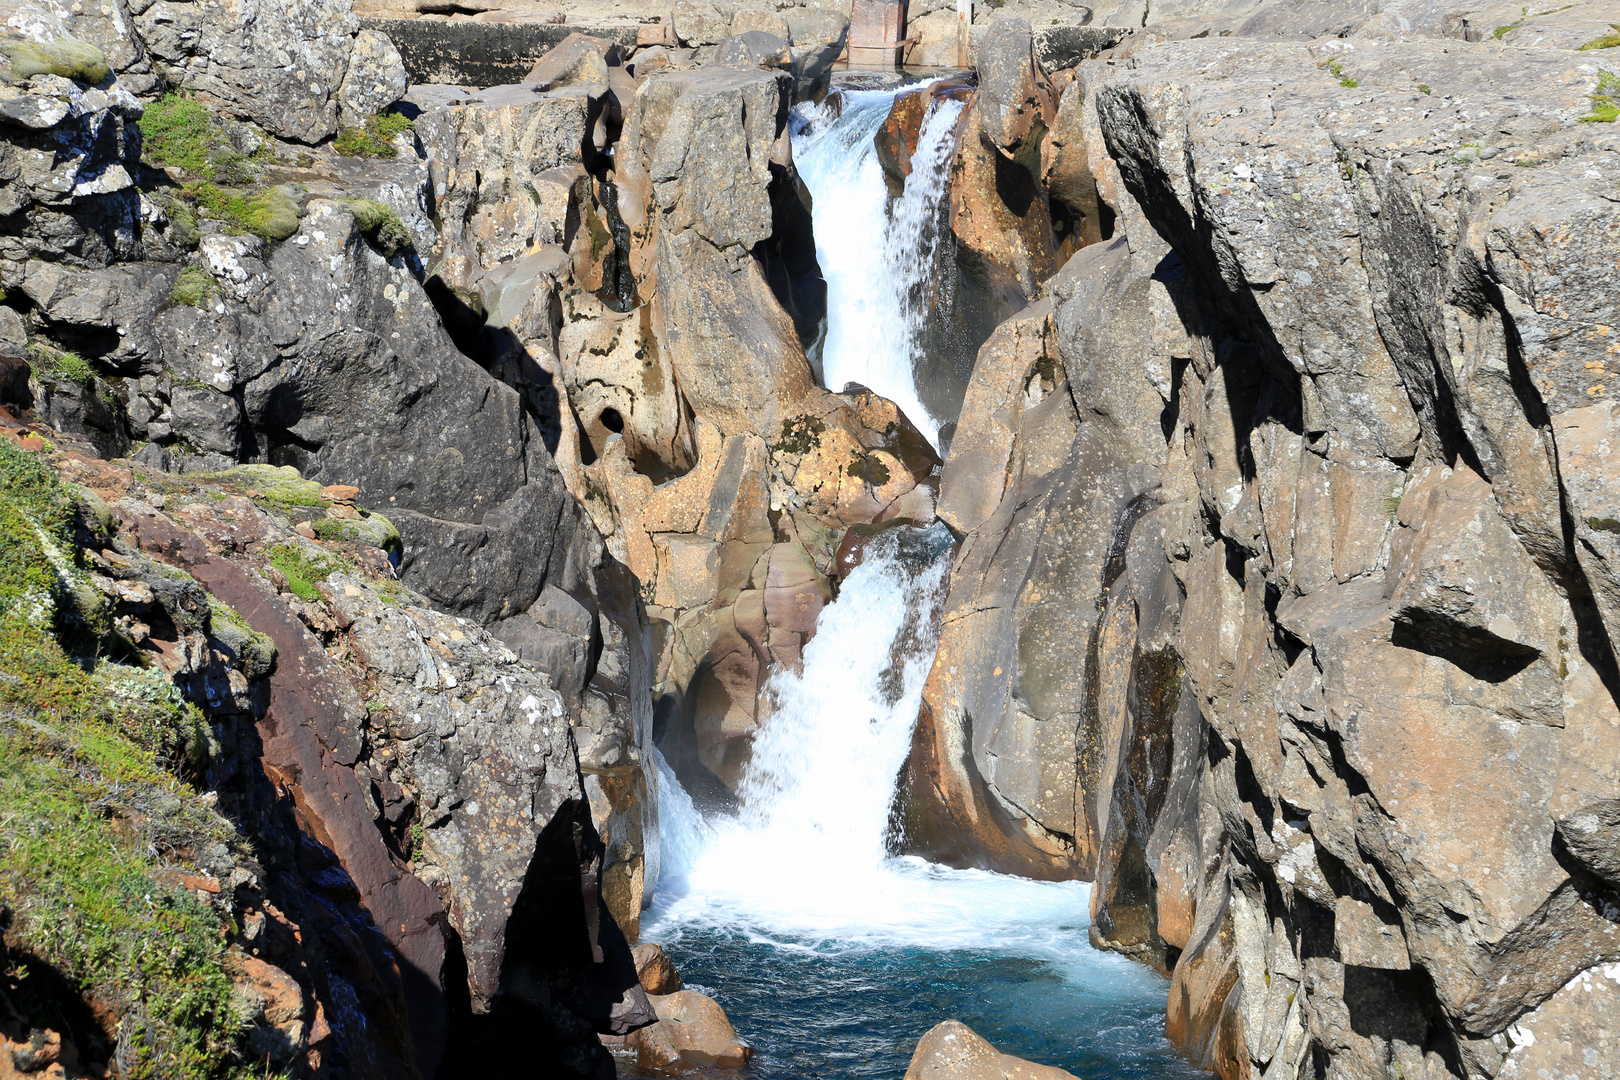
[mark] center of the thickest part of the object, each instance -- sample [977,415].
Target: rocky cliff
[1283,608]
[406,462]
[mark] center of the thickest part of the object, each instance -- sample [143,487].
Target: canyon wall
[1284,606]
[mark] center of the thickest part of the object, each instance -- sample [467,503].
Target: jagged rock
[754,48]
[1346,663]
[1015,96]
[953,1051]
[485,153]
[67,161]
[696,180]
[283,68]
[575,59]
[655,970]
[1003,228]
[375,78]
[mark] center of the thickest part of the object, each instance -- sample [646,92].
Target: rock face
[1269,617]
[954,1051]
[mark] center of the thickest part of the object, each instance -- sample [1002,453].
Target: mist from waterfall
[876,307]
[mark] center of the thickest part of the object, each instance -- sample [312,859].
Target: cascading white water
[831,954]
[874,320]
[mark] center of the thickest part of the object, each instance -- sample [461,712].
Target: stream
[830,955]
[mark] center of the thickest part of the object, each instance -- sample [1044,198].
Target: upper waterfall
[876,292]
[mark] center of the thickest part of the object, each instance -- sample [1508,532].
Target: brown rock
[655,969]
[953,1051]
[692,1033]
[340,493]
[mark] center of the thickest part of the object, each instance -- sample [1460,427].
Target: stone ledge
[480,54]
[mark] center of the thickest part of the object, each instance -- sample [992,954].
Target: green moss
[177,131]
[304,568]
[60,363]
[1351,83]
[275,487]
[375,138]
[1607,41]
[66,56]
[868,468]
[370,529]
[1424,89]
[380,225]
[272,214]
[800,435]
[194,288]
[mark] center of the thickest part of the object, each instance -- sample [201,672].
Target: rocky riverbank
[447,447]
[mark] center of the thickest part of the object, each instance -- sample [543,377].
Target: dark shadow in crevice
[1481,654]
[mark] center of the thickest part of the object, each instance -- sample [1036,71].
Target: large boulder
[953,1051]
[279,63]
[697,182]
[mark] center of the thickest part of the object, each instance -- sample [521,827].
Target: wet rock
[953,1051]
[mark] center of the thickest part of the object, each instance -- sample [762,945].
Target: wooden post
[964,33]
[877,33]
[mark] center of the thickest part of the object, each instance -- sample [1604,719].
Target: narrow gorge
[694,540]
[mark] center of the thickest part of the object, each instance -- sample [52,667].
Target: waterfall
[876,293]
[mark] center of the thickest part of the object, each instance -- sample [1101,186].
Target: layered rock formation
[1281,611]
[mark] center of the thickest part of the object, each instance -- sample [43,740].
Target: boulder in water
[692,1033]
[954,1051]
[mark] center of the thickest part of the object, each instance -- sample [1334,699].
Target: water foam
[805,864]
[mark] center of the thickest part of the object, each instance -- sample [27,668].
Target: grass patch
[177,131]
[380,225]
[90,808]
[61,363]
[303,569]
[272,214]
[375,138]
[194,288]
[1607,41]
[1605,101]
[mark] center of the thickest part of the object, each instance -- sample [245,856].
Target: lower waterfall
[831,956]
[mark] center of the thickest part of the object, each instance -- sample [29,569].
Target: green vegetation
[380,225]
[371,529]
[1607,41]
[272,214]
[1503,31]
[1425,89]
[60,363]
[375,139]
[177,131]
[194,288]
[276,487]
[1605,101]
[304,568]
[90,809]
[66,56]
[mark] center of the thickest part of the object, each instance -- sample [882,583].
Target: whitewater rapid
[805,863]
